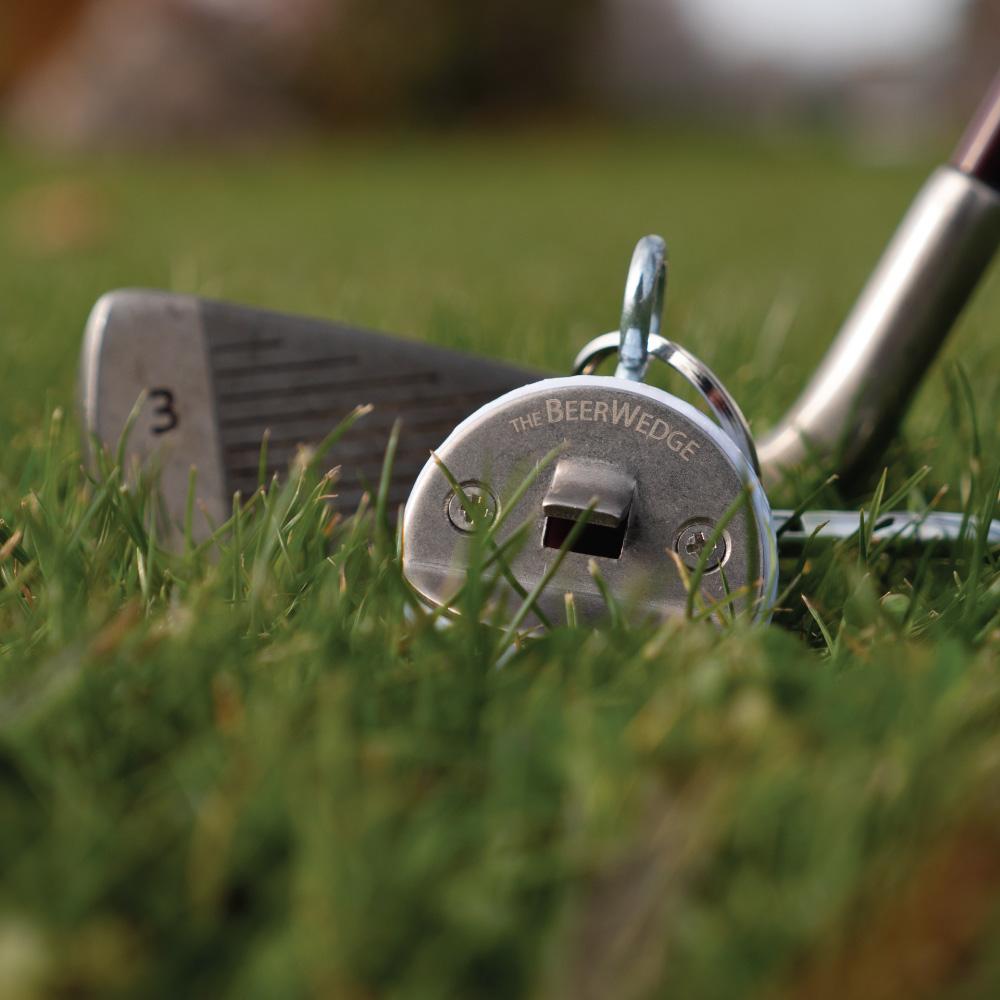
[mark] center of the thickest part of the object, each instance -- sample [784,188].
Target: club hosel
[925,276]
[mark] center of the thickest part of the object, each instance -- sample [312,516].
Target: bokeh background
[263,772]
[476,173]
[93,73]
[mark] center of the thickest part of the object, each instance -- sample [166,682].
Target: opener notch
[598,489]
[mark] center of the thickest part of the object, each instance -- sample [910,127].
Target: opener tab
[597,490]
[578,483]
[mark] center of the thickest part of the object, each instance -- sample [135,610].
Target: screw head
[692,539]
[480,495]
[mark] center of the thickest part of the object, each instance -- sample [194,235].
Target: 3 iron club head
[218,383]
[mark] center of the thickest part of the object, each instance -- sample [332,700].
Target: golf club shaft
[933,263]
[899,530]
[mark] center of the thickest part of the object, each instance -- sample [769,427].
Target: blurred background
[476,174]
[87,73]
[326,800]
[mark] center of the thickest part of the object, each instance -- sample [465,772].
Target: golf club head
[217,377]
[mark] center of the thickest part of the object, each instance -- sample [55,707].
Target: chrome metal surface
[642,309]
[653,460]
[717,397]
[692,540]
[220,377]
[899,528]
[582,483]
[479,496]
[859,393]
[153,343]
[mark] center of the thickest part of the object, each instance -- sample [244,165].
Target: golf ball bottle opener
[621,477]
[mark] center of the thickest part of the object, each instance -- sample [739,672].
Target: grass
[259,768]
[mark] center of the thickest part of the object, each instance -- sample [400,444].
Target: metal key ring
[715,394]
[642,307]
[639,339]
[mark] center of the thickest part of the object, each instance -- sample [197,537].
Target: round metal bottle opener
[664,493]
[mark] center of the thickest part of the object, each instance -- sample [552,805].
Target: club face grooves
[296,378]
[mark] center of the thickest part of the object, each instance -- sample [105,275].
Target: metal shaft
[923,280]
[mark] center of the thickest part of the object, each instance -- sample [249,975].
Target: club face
[218,376]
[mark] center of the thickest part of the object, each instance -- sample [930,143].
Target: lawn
[261,770]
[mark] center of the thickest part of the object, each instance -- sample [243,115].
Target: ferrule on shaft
[928,272]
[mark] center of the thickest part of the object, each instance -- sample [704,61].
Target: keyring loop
[697,373]
[642,308]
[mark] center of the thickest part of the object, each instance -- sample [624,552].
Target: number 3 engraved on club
[165,411]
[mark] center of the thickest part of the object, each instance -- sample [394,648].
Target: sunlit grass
[259,766]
